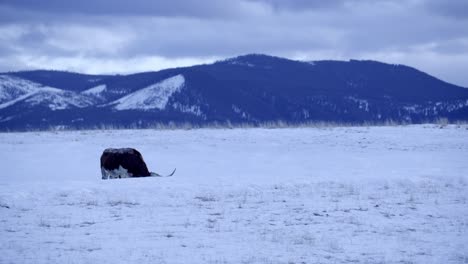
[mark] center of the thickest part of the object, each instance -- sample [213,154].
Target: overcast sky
[124,36]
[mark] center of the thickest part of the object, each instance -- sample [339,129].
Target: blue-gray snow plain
[395,194]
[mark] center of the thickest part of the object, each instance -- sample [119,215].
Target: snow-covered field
[304,195]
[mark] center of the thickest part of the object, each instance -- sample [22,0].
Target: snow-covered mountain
[154,96]
[245,89]
[14,90]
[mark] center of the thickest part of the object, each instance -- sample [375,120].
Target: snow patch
[5,119]
[18,99]
[155,96]
[434,109]
[57,99]
[235,61]
[236,109]
[14,90]
[93,80]
[362,103]
[242,63]
[190,109]
[240,112]
[96,91]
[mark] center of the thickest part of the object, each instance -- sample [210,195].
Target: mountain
[246,89]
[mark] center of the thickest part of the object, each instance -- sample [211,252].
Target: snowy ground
[304,195]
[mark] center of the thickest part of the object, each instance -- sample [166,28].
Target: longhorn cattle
[123,163]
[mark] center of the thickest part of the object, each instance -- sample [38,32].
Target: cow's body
[123,163]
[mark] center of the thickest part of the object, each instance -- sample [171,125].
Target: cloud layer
[120,36]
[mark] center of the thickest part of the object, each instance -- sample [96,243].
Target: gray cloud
[302,4]
[457,9]
[150,35]
[124,7]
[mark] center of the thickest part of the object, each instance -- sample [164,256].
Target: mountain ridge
[253,88]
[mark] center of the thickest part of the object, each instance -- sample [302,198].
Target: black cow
[124,163]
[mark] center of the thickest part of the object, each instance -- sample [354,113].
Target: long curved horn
[154,174]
